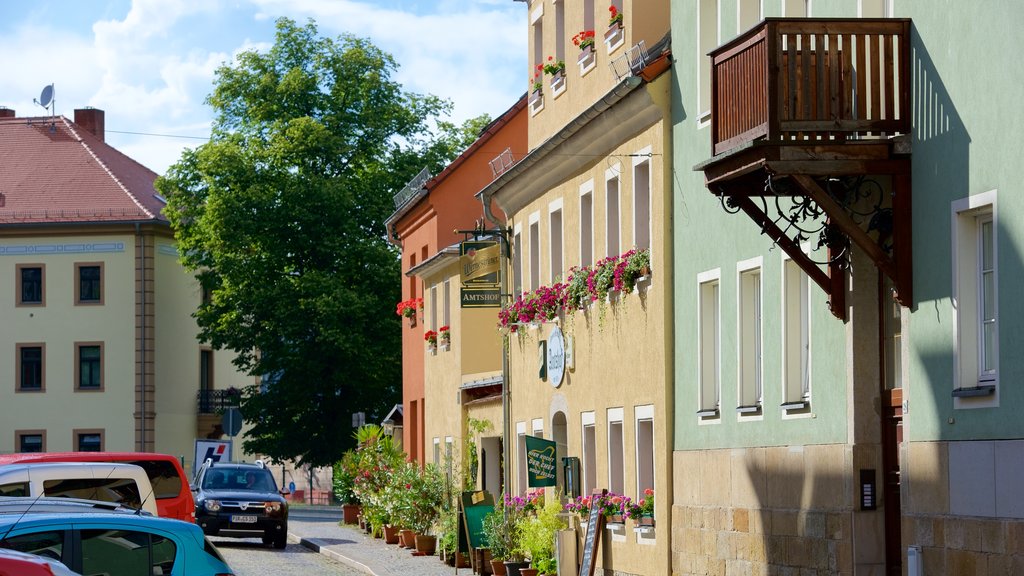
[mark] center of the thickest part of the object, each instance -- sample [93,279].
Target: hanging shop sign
[556,357]
[540,462]
[479,271]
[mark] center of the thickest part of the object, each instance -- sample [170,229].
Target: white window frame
[517,260]
[642,415]
[446,306]
[702,39]
[537,426]
[534,231]
[968,300]
[556,241]
[709,391]
[521,478]
[616,465]
[796,401]
[613,174]
[433,307]
[750,337]
[588,472]
[437,451]
[587,225]
[641,157]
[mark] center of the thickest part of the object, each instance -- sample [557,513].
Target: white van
[125,484]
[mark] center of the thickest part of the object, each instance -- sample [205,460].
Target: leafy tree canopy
[281,217]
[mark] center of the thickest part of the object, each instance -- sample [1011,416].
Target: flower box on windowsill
[614,36]
[536,102]
[558,84]
[587,59]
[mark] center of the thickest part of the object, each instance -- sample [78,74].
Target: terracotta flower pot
[350,513]
[528,572]
[407,539]
[390,534]
[498,567]
[425,544]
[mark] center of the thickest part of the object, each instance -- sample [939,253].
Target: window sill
[975,391]
[797,407]
[748,410]
[707,414]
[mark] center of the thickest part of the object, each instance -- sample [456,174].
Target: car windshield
[239,479]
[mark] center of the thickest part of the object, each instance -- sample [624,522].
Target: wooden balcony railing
[812,79]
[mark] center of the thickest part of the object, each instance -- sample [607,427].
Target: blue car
[115,544]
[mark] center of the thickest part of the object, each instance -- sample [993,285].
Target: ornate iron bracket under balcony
[809,127]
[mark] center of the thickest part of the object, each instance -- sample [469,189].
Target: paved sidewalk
[351,546]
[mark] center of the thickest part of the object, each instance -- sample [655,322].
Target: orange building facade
[428,212]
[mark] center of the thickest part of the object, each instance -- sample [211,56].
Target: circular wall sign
[556,357]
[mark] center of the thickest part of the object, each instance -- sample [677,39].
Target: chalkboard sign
[473,506]
[595,526]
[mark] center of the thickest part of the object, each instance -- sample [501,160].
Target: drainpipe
[142,373]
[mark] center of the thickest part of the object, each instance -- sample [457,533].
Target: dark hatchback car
[240,500]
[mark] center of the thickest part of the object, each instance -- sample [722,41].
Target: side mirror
[193,487]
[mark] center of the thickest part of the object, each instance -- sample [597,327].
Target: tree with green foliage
[281,216]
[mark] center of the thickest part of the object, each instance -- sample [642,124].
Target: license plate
[243,519]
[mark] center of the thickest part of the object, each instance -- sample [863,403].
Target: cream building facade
[100,349]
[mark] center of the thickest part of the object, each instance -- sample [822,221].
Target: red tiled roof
[55,171]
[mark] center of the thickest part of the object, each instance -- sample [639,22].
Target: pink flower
[649,492]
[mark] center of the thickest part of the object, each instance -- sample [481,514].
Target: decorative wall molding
[81,248]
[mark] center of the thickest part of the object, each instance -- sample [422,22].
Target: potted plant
[345,472]
[642,511]
[444,335]
[501,533]
[425,496]
[614,508]
[409,308]
[431,337]
[615,17]
[537,537]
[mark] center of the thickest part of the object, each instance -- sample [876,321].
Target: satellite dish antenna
[46,97]
[46,101]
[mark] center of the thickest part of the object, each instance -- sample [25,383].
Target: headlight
[212,505]
[272,507]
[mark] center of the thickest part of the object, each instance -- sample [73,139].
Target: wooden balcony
[816,112]
[812,79]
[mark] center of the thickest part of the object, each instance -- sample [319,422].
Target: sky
[150,64]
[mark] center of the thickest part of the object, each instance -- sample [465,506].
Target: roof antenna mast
[46,101]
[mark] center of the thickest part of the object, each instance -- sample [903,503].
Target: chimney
[91,119]
[6,112]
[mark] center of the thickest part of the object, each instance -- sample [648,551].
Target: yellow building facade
[595,185]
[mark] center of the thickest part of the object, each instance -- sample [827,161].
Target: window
[446,306]
[555,238]
[31,440]
[750,342]
[449,457]
[644,448]
[52,542]
[433,307]
[796,327]
[437,451]
[205,370]
[90,283]
[534,251]
[616,449]
[517,263]
[707,40]
[588,17]
[521,457]
[589,472]
[560,31]
[146,553]
[88,440]
[976,300]
[31,368]
[89,370]
[612,245]
[31,285]
[642,201]
[587,224]
[708,342]
[538,34]
[796,8]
